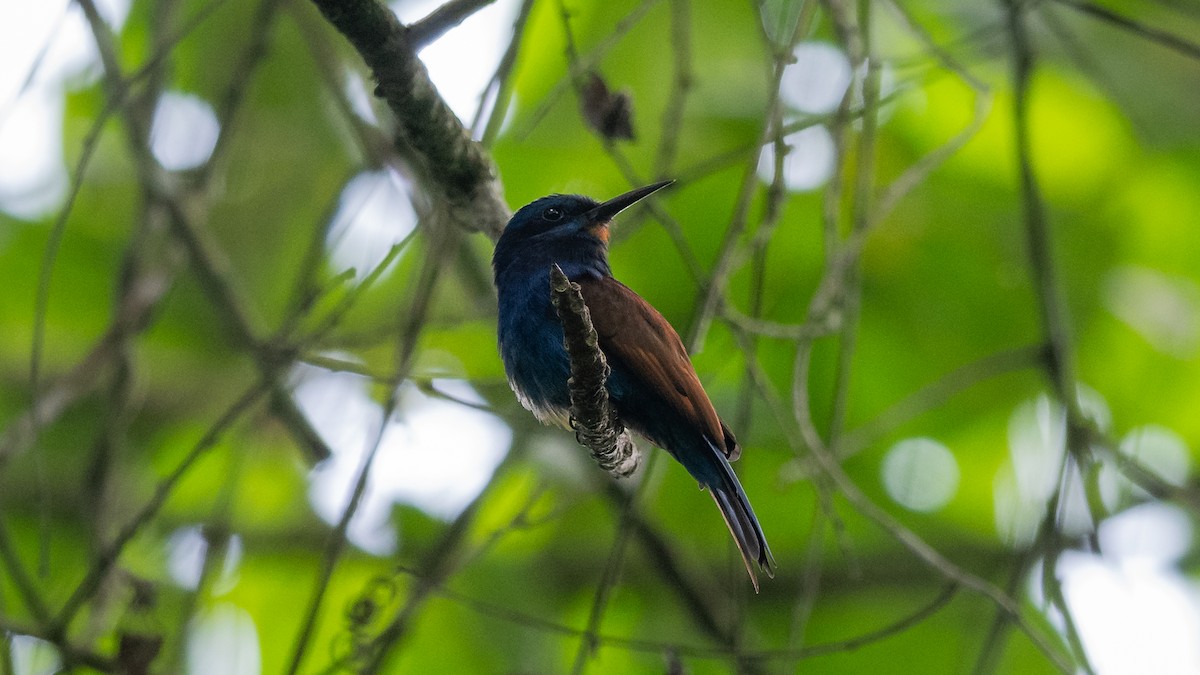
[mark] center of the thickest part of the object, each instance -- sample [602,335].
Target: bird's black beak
[606,211]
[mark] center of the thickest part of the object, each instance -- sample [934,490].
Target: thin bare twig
[736,155]
[1059,361]
[443,243]
[501,82]
[510,615]
[72,654]
[217,535]
[810,585]
[112,552]
[48,403]
[27,589]
[261,27]
[1155,35]
[921,549]
[442,560]
[334,547]
[442,20]
[936,393]
[208,264]
[714,289]
[1060,364]
[589,642]
[695,596]
[809,330]
[681,86]
[919,171]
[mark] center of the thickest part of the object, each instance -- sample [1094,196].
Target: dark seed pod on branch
[608,113]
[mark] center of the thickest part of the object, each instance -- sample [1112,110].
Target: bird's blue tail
[735,508]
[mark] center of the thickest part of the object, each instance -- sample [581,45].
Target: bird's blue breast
[531,345]
[531,336]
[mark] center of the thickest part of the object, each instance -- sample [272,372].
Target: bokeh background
[216,263]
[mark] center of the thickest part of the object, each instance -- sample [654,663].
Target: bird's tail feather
[741,521]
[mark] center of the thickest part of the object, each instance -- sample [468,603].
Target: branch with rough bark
[451,164]
[596,424]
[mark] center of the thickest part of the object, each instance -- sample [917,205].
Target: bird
[652,383]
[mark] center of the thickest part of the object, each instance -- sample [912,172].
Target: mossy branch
[593,417]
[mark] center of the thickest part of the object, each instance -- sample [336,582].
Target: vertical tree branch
[681,85]
[594,419]
[501,81]
[1059,360]
[1060,364]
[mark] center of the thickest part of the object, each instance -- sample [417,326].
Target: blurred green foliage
[945,281]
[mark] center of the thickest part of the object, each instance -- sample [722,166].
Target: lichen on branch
[597,426]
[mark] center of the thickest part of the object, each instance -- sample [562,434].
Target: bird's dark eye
[552,214]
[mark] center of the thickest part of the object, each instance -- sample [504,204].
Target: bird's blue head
[571,230]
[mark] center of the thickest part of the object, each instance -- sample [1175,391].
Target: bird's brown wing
[651,349]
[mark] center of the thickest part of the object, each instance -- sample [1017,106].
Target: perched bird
[653,385]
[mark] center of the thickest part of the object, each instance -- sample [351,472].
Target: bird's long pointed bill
[606,211]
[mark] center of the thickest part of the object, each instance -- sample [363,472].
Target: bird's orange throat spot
[600,231]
